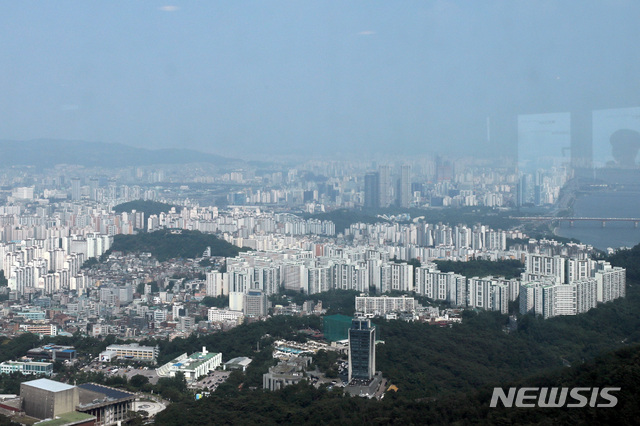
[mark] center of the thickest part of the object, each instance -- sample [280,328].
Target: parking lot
[212,380]
[150,373]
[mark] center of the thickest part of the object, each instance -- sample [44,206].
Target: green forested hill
[170,243]
[148,207]
[629,259]
[482,268]
[303,404]
[446,375]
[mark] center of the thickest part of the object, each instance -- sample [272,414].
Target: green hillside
[173,243]
[148,207]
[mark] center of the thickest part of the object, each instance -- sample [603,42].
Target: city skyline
[331,212]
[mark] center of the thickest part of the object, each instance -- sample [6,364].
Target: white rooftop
[241,360]
[50,385]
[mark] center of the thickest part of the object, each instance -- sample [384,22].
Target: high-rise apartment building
[75,189]
[384,176]
[404,187]
[372,190]
[215,283]
[550,300]
[546,266]
[611,282]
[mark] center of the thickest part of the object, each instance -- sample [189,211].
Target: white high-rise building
[550,300]
[438,285]
[404,186]
[384,304]
[488,293]
[215,283]
[565,300]
[236,301]
[351,276]
[578,269]
[546,266]
[319,279]
[536,298]
[611,282]
[401,277]
[385,186]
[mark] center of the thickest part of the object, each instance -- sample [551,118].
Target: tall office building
[94,184]
[75,189]
[384,177]
[525,190]
[255,304]
[372,190]
[404,187]
[362,349]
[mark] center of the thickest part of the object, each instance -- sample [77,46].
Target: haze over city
[336,212]
[249,79]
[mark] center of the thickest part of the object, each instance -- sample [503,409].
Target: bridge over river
[571,220]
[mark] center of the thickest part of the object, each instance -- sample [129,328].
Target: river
[604,204]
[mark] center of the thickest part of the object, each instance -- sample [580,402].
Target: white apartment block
[437,285]
[135,352]
[221,315]
[319,279]
[488,293]
[611,282]
[384,304]
[550,300]
[542,265]
[401,277]
[216,283]
[578,269]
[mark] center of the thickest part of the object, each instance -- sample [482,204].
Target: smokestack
[204,350]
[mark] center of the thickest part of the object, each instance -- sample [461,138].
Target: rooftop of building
[51,347]
[93,395]
[25,362]
[131,346]
[194,360]
[67,419]
[240,361]
[291,366]
[49,385]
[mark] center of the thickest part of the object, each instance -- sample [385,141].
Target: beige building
[46,399]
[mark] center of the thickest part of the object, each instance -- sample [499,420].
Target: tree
[217,302]
[138,381]
[415,262]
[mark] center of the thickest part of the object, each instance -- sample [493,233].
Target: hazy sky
[245,78]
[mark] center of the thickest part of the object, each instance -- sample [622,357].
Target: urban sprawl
[63,277]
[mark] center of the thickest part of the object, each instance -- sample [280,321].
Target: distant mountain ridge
[49,152]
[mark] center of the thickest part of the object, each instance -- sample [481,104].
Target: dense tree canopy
[334,301]
[217,302]
[482,268]
[169,243]
[147,206]
[303,404]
